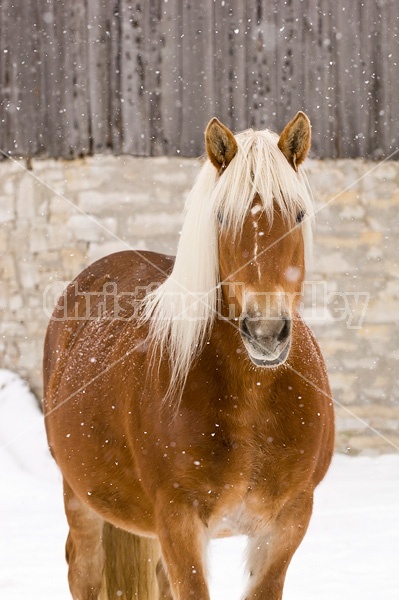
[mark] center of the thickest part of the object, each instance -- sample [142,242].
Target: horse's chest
[265,477]
[261,460]
[251,515]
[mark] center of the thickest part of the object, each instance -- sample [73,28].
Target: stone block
[332,262]
[97,251]
[4,297]
[347,198]
[27,358]
[48,262]
[38,241]
[154,224]
[28,275]
[4,239]
[7,210]
[15,302]
[382,310]
[26,205]
[7,267]
[10,168]
[345,384]
[13,329]
[84,227]
[96,202]
[8,185]
[74,261]
[57,236]
[60,206]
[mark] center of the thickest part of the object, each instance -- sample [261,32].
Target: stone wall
[59,216]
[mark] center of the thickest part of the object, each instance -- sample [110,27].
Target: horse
[184,397]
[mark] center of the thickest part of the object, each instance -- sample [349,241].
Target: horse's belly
[101,471]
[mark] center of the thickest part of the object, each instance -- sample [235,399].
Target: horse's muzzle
[267,341]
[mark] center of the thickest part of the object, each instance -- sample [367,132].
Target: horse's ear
[220,143]
[294,141]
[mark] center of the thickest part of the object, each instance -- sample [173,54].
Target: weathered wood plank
[135,105]
[390,54]
[312,98]
[262,72]
[171,83]
[51,57]
[376,141]
[18,79]
[8,78]
[25,39]
[114,77]
[287,48]
[346,52]
[230,58]
[65,77]
[154,77]
[78,94]
[98,47]
[144,76]
[365,82]
[197,73]
[297,51]
[320,100]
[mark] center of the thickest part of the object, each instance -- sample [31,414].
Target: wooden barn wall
[143,77]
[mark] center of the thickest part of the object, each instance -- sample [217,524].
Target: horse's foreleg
[165,593]
[270,555]
[84,550]
[183,542]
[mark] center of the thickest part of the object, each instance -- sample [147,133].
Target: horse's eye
[300,216]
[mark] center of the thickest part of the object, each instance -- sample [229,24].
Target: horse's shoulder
[305,348]
[117,278]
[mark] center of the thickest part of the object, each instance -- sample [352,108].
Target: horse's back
[115,282]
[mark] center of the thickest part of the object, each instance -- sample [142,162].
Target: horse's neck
[237,374]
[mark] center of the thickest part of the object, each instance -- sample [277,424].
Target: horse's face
[264,270]
[263,265]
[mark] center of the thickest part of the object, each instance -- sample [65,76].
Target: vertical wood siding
[143,77]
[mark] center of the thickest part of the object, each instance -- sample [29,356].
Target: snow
[350,551]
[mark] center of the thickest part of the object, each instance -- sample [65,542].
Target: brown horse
[185,398]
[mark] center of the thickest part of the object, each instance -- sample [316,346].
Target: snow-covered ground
[351,550]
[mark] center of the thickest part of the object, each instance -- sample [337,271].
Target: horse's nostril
[266,332]
[244,328]
[285,330]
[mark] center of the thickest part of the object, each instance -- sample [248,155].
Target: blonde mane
[181,311]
